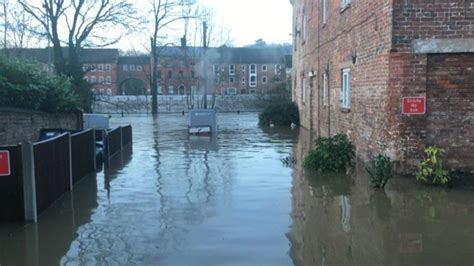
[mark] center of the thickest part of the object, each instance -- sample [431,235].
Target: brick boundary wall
[18,125]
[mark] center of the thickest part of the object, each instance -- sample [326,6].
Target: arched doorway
[132,87]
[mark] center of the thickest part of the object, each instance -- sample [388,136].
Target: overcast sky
[249,20]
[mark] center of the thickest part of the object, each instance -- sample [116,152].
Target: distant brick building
[228,70]
[354,61]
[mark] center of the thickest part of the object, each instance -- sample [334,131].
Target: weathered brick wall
[330,47]
[18,125]
[416,21]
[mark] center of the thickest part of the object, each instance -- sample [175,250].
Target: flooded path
[180,200]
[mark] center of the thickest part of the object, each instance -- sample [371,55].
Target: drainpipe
[319,70]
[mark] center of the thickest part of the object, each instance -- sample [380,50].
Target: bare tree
[87,23]
[165,13]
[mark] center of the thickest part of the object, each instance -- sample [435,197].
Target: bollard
[29,184]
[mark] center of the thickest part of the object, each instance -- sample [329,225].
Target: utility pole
[204,74]
[153,87]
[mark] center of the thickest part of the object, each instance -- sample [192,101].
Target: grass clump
[380,170]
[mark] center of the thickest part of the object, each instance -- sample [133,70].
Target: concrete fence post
[29,183]
[94,149]
[70,161]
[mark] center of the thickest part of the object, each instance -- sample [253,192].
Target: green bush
[380,170]
[23,85]
[331,154]
[280,114]
[431,170]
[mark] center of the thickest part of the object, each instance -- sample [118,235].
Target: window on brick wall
[107,67]
[101,79]
[139,68]
[346,88]
[243,68]
[264,80]
[232,69]
[243,81]
[125,67]
[93,80]
[170,90]
[108,80]
[216,69]
[132,67]
[345,3]
[325,11]
[100,67]
[170,74]
[325,89]
[264,68]
[231,80]
[277,69]
[160,90]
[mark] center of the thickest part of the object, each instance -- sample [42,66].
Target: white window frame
[264,68]
[93,79]
[132,67]
[86,78]
[325,89]
[100,67]
[108,80]
[125,67]
[264,79]
[253,83]
[159,90]
[231,69]
[101,79]
[325,11]
[108,68]
[109,92]
[232,80]
[93,68]
[170,90]
[231,91]
[253,69]
[346,88]
[243,68]
[277,69]
[243,81]
[139,68]
[345,3]
[216,69]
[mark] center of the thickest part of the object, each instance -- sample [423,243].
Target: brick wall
[18,125]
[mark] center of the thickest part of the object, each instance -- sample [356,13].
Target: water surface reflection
[340,220]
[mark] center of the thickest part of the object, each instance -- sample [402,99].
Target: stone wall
[176,104]
[17,125]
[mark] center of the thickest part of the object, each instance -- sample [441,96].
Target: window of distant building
[325,89]
[253,75]
[346,88]
[264,68]
[223,68]
[231,91]
[264,80]
[216,80]
[93,79]
[100,67]
[222,80]
[181,74]
[101,79]
[277,69]
[86,79]
[325,12]
[108,80]
[85,68]
[243,68]
[107,67]
[92,68]
[216,69]
[139,68]
[109,92]
[243,81]
[170,90]
[94,91]
[193,74]
[132,67]
[232,69]
[253,81]
[345,4]
[160,90]
[252,91]
[231,80]
[125,67]
[170,74]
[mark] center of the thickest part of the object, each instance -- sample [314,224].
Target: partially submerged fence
[52,170]
[116,140]
[83,151]
[40,173]
[11,185]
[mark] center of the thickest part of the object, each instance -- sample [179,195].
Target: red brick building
[228,70]
[355,60]
[133,75]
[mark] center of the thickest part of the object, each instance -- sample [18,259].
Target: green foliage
[331,154]
[380,170]
[431,170]
[280,114]
[25,86]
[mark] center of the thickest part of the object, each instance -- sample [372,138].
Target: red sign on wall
[414,105]
[4,163]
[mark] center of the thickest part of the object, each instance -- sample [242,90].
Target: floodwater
[180,200]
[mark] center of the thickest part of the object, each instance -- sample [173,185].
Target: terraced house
[395,75]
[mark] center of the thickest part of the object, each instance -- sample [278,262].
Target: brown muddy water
[180,200]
